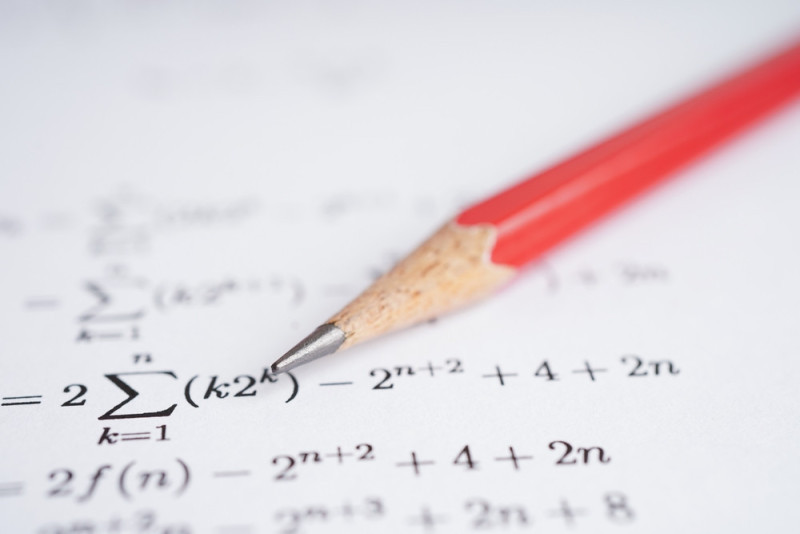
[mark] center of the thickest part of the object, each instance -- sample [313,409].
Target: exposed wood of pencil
[450,269]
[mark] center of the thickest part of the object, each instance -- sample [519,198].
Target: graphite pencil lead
[326,339]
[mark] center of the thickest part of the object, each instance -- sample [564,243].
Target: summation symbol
[118,302]
[132,394]
[21,400]
[132,384]
[100,311]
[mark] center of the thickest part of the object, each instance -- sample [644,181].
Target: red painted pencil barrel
[536,214]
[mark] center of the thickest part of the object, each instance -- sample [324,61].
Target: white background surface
[345,133]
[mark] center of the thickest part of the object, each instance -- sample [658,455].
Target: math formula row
[475,513]
[198,390]
[138,478]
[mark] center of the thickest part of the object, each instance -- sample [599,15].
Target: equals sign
[134,436]
[10,489]
[19,401]
[234,529]
[40,303]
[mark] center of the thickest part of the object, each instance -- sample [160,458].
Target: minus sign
[11,490]
[336,384]
[232,474]
[41,303]
[337,290]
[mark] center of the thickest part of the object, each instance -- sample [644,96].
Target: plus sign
[416,463]
[588,369]
[339,454]
[569,514]
[499,374]
[514,458]
[587,277]
[347,510]
[426,519]
[430,368]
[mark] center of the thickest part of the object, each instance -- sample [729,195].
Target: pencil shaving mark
[450,269]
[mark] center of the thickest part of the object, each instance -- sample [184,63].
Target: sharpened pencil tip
[326,339]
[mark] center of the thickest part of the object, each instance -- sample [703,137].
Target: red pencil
[484,246]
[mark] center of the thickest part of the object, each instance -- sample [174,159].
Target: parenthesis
[551,277]
[185,477]
[295,387]
[122,481]
[299,292]
[159,298]
[187,391]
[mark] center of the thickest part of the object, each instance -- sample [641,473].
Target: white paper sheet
[188,189]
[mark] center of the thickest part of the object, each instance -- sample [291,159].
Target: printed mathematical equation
[199,390]
[563,454]
[135,408]
[139,522]
[120,300]
[631,366]
[475,513]
[125,223]
[621,274]
[196,391]
[135,478]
